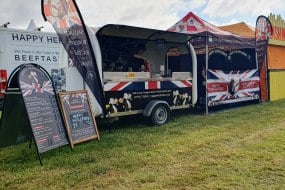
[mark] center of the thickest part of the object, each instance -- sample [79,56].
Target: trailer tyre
[160,114]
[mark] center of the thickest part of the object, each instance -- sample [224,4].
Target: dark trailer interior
[166,51]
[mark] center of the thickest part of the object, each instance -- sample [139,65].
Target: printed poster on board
[233,86]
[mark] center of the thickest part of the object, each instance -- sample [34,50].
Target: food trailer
[170,84]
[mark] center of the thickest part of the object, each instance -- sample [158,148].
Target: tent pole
[267,77]
[206,86]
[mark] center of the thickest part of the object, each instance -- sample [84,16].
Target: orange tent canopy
[241,29]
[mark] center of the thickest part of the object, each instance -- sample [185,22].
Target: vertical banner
[67,21]
[263,31]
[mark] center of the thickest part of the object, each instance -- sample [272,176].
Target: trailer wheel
[160,114]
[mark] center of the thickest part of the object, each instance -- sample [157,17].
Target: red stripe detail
[47,9]
[186,83]
[249,84]
[217,87]
[38,127]
[3,82]
[246,94]
[152,85]
[76,107]
[222,97]
[62,23]
[192,29]
[118,86]
[72,8]
[41,141]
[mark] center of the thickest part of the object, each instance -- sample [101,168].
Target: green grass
[242,148]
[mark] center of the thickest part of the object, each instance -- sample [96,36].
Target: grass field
[242,148]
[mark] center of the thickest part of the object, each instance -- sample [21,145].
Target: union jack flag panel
[134,95]
[147,85]
[29,89]
[233,86]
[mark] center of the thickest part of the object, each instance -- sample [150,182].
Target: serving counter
[143,76]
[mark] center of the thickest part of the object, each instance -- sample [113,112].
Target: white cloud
[159,14]
[20,12]
[229,8]
[224,12]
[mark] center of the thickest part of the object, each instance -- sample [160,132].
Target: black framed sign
[78,117]
[42,108]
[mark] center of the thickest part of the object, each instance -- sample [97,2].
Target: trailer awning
[142,33]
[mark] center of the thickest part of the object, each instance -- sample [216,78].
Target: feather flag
[66,19]
[263,31]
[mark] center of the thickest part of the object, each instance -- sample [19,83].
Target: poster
[233,86]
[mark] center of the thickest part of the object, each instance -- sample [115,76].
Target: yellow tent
[241,29]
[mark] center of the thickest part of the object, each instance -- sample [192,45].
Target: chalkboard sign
[79,119]
[42,108]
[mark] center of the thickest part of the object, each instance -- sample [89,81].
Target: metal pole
[167,72]
[267,78]
[206,86]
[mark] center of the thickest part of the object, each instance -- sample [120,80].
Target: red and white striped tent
[207,37]
[191,24]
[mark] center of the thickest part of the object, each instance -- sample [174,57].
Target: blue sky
[159,14]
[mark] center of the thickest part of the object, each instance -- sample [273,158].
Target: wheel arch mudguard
[150,105]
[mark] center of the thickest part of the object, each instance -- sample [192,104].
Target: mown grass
[242,148]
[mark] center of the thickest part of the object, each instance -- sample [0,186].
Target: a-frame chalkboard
[40,107]
[78,116]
